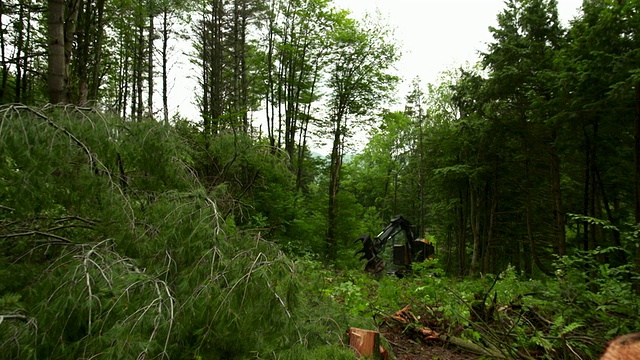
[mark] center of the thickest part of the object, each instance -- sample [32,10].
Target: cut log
[367,343]
[623,347]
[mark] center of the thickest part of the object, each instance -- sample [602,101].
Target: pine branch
[17,317]
[2,207]
[39,233]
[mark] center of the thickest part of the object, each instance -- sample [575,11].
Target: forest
[129,231]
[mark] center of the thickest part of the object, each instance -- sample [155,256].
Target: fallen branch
[408,319]
[14,317]
[471,347]
[38,233]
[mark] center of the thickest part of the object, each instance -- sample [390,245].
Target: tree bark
[57,70]
[70,25]
[150,50]
[556,193]
[3,59]
[474,221]
[636,157]
[165,68]
[334,187]
[139,78]
[462,234]
[20,52]
[97,59]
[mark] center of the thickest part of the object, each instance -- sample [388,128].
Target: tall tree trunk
[218,66]
[205,110]
[302,145]
[165,68]
[617,241]
[57,74]
[533,255]
[21,52]
[594,207]
[556,193]
[462,233]
[334,187]
[27,56]
[636,180]
[139,109]
[70,24]
[150,51]
[474,221]
[244,71]
[421,175]
[125,68]
[531,252]
[488,245]
[3,56]
[270,91]
[586,191]
[84,41]
[97,53]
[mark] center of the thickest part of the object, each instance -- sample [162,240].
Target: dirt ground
[406,348]
[414,337]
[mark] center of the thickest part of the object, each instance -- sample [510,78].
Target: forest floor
[418,337]
[406,348]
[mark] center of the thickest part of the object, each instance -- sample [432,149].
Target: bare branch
[38,233]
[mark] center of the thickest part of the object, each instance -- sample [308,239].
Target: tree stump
[366,343]
[625,347]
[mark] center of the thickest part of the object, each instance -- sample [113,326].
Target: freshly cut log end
[367,343]
[626,347]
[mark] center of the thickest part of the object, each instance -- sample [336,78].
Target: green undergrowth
[570,316]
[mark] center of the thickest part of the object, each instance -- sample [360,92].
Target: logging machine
[394,249]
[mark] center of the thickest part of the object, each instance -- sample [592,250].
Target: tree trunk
[617,241]
[70,24]
[334,187]
[57,74]
[83,42]
[462,234]
[488,245]
[474,221]
[302,145]
[205,108]
[637,179]
[586,192]
[20,53]
[150,51]
[270,91]
[97,59]
[26,94]
[165,67]
[217,80]
[556,193]
[3,58]
[421,171]
[139,70]
[244,71]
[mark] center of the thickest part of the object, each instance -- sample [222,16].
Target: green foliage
[571,315]
[106,238]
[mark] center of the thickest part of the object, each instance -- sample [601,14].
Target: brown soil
[404,347]
[414,337]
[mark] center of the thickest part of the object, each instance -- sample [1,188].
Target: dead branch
[38,233]
[17,317]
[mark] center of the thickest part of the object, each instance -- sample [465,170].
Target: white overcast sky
[439,35]
[434,36]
